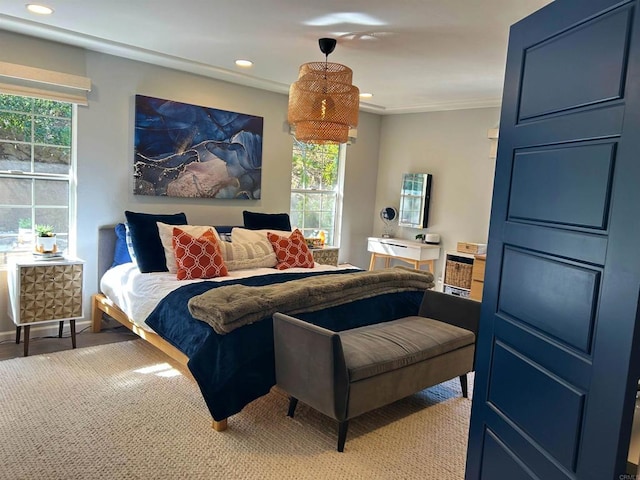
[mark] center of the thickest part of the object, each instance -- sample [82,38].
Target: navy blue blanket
[235,369]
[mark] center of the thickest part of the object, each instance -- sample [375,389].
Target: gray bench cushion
[375,349]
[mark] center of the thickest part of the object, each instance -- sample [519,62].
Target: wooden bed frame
[101,304]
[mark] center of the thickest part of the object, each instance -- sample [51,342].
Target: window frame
[337,192]
[70,178]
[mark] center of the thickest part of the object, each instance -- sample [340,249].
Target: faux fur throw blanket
[230,307]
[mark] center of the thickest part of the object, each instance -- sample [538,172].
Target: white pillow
[241,235]
[244,255]
[166,237]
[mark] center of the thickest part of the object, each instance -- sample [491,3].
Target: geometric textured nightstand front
[45,291]
[326,255]
[50,292]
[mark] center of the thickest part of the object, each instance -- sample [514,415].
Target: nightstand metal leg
[60,327]
[72,324]
[27,329]
[18,330]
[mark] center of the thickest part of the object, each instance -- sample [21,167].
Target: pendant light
[323,103]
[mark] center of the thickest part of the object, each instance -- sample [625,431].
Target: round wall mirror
[388,215]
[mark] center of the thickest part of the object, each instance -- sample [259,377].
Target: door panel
[500,462]
[553,421]
[555,296]
[557,359]
[570,183]
[596,74]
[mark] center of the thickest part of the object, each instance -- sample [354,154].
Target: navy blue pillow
[265,221]
[146,239]
[121,253]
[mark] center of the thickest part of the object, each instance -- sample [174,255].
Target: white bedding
[137,294]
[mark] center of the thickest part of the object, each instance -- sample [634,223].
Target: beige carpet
[119,411]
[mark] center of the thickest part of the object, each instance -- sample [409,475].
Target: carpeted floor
[120,411]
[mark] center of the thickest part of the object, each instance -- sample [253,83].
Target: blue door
[558,354]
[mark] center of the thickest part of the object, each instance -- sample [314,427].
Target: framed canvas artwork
[184,150]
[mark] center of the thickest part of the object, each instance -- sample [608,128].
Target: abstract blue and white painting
[184,150]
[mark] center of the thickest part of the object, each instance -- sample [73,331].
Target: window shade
[36,82]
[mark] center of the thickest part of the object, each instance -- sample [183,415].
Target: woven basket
[458,274]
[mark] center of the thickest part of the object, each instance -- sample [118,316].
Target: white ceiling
[413,55]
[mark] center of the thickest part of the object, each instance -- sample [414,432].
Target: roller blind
[37,82]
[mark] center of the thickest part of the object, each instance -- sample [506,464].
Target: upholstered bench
[345,374]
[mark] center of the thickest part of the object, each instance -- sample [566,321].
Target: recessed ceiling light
[244,63]
[39,9]
[366,95]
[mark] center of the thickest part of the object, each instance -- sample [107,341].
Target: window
[36,171]
[316,189]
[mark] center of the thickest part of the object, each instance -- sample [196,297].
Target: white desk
[415,253]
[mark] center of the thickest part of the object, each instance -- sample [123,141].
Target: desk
[415,253]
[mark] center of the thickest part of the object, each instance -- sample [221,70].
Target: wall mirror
[414,200]
[388,215]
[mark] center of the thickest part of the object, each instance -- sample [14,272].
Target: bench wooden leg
[293,403]
[342,434]
[60,327]
[18,331]
[463,385]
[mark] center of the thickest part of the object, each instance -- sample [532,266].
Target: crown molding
[89,42]
[443,106]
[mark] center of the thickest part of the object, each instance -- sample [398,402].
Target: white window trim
[71,178]
[72,241]
[339,193]
[337,232]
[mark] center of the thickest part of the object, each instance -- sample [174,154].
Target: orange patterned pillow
[291,251]
[198,257]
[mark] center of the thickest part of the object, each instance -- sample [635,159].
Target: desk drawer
[394,250]
[476,290]
[478,269]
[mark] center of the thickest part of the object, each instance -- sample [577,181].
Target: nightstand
[45,291]
[326,255]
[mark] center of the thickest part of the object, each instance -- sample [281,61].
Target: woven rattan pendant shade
[323,104]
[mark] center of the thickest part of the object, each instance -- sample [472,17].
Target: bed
[236,367]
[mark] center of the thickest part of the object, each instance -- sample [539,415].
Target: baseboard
[49,329]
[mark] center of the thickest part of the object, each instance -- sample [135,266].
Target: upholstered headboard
[106,249]
[107,245]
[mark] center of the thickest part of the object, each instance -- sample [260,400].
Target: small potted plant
[45,239]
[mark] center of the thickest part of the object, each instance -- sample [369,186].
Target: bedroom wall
[454,148]
[105,150]
[452,145]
